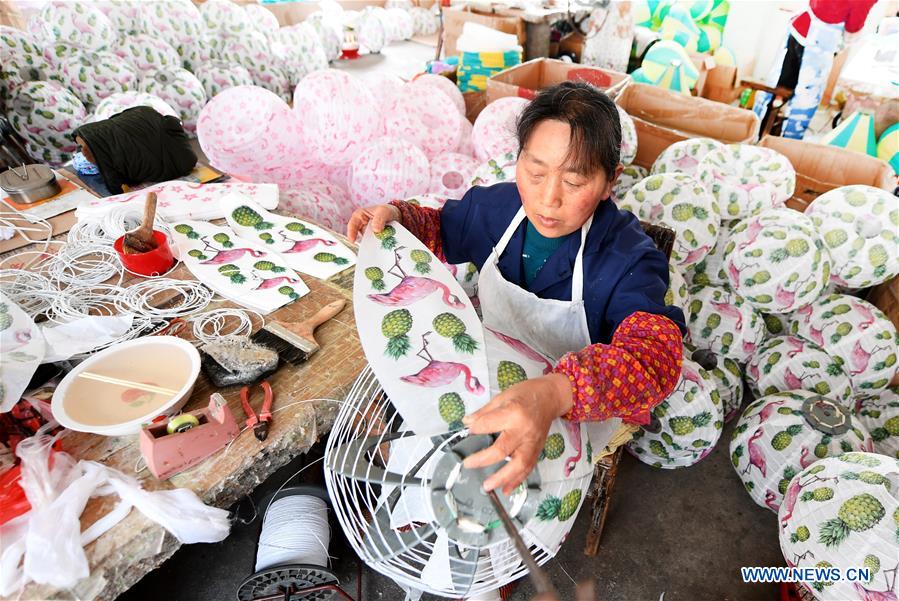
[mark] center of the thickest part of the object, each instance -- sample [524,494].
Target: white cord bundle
[217,320]
[113,224]
[84,263]
[33,292]
[295,530]
[138,297]
[82,301]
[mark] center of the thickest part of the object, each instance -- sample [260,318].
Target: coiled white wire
[214,324]
[31,291]
[84,263]
[138,298]
[295,530]
[113,224]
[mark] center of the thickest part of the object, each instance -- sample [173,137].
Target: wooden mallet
[141,240]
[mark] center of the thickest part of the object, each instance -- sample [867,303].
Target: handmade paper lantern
[384,87]
[425,118]
[147,53]
[725,57]
[424,21]
[182,91]
[629,177]
[710,270]
[628,137]
[698,9]
[124,15]
[261,19]
[709,39]
[777,261]
[337,130]
[116,103]
[678,293]
[389,168]
[717,17]
[494,129]
[728,379]
[223,17]
[879,413]
[843,512]
[238,144]
[251,50]
[274,79]
[22,62]
[678,26]
[329,34]
[888,146]
[451,174]
[639,76]
[685,426]
[77,23]
[855,331]
[404,26]
[45,115]
[466,145]
[642,14]
[747,179]
[661,55]
[677,201]
[370,32]
[318,200]
[175,22]
[300,50]
[405,5]
[781,434]
[194,53]
[218,76]
[685,156]
[659,10]
[776,325]
[445,86]
[722,322]
[496,170]
[785,363]
[860,226]
[855,133]
[674,78]
[93,76]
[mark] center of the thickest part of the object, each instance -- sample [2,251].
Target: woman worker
[563,270]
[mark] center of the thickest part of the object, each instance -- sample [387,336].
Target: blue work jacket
[624,272]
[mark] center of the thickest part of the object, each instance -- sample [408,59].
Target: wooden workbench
[136,545]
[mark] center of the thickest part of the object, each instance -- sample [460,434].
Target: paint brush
[295,343]
[141,240]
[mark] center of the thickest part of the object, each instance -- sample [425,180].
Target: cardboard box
[474,104]
[573,43]
[455,18]
[662,118]
[526,79]
[722,84]
[820,168]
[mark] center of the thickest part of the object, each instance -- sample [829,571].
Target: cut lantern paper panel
[238,269]
[419,332]
[178,200]
[302,246]
[557,510]
[23,349]
[855,133]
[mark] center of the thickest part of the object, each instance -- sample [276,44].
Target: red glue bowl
[152,263]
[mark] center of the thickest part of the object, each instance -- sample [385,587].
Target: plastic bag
[46,544]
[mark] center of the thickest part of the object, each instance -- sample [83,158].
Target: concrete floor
[684,533]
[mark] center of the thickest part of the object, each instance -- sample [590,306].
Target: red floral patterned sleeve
[424,223]
[628,377]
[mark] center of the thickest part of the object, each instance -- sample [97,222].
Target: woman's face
[557,200]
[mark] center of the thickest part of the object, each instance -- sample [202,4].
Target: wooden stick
[127,383]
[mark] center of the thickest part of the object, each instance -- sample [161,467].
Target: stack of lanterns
[856,132]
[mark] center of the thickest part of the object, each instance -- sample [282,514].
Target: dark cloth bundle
[136,146]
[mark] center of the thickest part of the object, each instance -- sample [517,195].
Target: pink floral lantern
[388,169]
[247,129]
[494,129]
[338,115]
[318,200]
[466,146]
[451,174]
[424,117]
[445,86]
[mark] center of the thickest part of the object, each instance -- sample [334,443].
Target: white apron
[551,327]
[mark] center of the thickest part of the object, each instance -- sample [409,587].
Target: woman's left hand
[522,414]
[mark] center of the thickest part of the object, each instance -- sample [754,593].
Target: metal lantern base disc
[297,576]
[460,503]
[826,416]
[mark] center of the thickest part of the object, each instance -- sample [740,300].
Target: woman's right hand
[378,215]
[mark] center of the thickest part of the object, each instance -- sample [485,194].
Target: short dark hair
[593,119]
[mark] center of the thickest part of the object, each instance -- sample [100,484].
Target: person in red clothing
[563,270]
[814,36]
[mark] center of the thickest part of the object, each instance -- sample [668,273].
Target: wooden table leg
[600,496]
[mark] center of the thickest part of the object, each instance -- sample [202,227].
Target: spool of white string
[295,530]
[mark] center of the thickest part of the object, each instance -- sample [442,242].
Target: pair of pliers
[260,423]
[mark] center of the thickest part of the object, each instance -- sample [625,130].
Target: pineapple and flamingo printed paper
[237,269]
[843,511]
[879,413]
[301,245]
